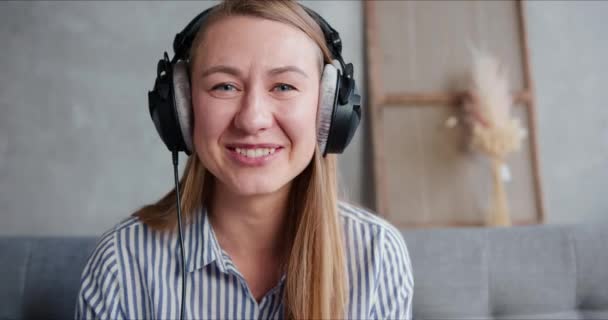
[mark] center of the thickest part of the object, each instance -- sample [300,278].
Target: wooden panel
[426,44]
[430,177]
[419,59]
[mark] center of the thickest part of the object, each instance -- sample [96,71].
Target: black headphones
[170,105]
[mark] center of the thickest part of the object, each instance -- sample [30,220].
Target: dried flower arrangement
[495,132]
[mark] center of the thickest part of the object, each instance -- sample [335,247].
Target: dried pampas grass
[494,131]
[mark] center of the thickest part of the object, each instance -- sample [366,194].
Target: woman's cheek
[208,125]
[301,126]
[212,116]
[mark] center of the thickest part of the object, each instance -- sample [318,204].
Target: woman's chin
[256,191]
[251,189]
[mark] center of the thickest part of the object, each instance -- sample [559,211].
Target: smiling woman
[260,97]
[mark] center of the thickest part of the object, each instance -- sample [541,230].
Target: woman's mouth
[253,155]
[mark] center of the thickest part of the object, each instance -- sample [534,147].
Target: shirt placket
[259,309]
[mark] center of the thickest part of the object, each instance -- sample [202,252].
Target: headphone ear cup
[327,104]
[183,102]
[339,117]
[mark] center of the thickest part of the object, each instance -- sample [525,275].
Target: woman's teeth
[255,153]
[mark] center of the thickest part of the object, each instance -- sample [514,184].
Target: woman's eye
[224,87]
[284,87]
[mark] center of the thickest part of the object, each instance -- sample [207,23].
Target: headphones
[170,104]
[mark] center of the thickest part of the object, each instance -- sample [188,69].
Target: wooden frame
[378,99]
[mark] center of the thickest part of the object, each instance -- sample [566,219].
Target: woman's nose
[254,114]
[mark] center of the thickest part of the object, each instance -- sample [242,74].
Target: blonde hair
[316,284]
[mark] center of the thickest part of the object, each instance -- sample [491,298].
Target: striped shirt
[135,273]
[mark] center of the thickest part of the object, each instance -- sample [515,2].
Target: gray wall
[569,51]
[78,151]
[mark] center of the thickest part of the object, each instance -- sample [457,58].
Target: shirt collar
[201,245]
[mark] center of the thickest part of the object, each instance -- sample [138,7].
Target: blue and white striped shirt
[134,273]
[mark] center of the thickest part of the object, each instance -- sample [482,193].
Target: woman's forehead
[247,41]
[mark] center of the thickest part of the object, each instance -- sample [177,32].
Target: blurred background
[78,151]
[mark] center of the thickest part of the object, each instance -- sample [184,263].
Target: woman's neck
[250,225]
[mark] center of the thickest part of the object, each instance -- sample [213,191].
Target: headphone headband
[183,40]
[332,37]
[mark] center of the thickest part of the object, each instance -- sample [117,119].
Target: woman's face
[255,87]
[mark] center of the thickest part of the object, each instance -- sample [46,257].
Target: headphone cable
[179,231]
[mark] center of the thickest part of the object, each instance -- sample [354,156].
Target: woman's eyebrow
[237,73]
[221,69]
[280,70]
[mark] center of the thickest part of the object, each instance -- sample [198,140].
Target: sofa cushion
[591,249]
[43,276]
[450,269]
[531,272]
[14,255]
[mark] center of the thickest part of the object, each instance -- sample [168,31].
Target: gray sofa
[537,272]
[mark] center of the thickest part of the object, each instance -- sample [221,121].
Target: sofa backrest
[540,272]
[40,277]
[532,272]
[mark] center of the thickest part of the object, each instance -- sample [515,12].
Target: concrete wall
[569,51]
[78,151]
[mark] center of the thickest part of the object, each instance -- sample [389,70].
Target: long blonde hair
[316,284]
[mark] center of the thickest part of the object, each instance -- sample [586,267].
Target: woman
[264,236]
